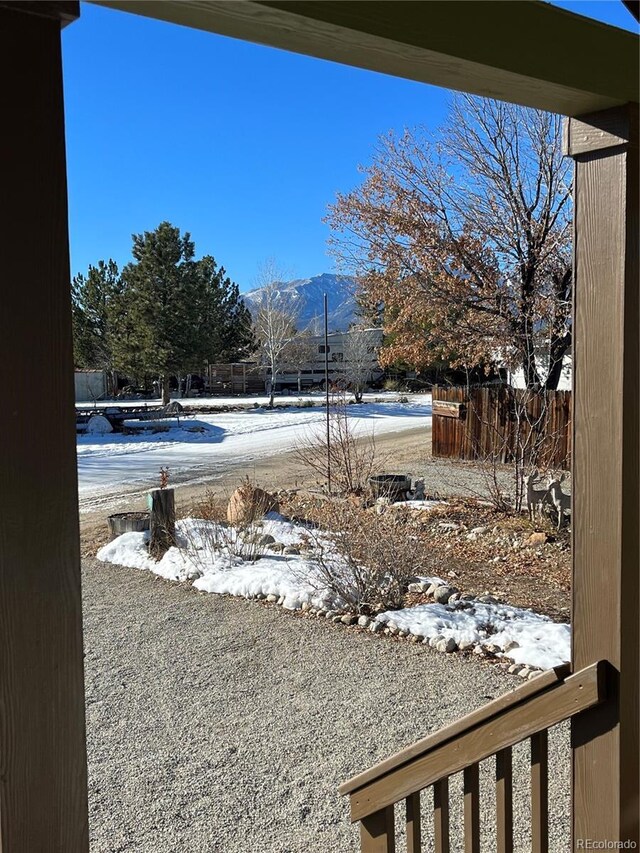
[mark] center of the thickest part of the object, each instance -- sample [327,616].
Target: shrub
[365,559]
[353,458]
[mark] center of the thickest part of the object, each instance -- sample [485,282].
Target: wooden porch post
[606,473]
[43,783]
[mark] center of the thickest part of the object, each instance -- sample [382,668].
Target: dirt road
[401,452]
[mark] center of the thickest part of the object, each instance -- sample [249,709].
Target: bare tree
[360,350]
[274,319]
[463,238]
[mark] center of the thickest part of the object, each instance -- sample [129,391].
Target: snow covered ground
[207,557]
[197,447]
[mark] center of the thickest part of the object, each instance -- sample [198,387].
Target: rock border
[439,643]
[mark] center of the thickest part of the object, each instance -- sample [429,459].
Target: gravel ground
[217,724]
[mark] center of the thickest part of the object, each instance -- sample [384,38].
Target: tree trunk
[555,372]
[272,387]
[166,396]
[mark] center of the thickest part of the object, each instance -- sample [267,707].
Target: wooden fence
[497,422]
[236,378]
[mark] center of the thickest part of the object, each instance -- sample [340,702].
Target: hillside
[306,295]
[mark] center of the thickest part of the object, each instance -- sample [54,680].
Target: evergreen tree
[91,297]
[173,313]
[226,326]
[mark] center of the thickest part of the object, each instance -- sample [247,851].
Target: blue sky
[244,146]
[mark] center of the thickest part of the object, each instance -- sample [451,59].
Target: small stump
[163,522]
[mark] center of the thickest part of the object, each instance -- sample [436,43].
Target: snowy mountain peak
[307,295]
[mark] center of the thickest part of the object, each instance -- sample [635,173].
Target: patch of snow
[107,463]
[541,642]
[419,504]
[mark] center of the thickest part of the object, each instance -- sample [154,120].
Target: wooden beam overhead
[524,51]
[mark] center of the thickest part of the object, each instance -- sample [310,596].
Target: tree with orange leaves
[461,240]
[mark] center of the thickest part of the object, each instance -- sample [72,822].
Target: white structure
[90,385]
[344,349]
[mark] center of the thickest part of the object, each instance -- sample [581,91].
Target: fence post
[163,521]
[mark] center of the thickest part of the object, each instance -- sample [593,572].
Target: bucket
[392,486]
[128,522]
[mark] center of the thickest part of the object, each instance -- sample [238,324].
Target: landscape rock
[444,593]
[465,645]
[433,642]
[375,627]
[363,621]
[348,619]
[248,502]
[272,599]
[448,646]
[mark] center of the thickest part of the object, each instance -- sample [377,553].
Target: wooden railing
[527,712]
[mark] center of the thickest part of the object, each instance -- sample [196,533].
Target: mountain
[306,297]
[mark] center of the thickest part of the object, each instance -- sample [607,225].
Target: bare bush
[209,536]
[352,458]
[365,559]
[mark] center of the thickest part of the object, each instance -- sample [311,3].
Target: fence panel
[497,421]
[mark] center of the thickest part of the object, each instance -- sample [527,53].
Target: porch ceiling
[527,52]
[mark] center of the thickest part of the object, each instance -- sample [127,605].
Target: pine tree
[173,313]
[91,297]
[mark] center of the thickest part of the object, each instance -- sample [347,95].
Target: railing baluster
[540,793]
[414,840]
[441,815]
[377,832]
[504,801]
[472,809]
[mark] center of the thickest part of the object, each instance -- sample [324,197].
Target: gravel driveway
[217,724]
